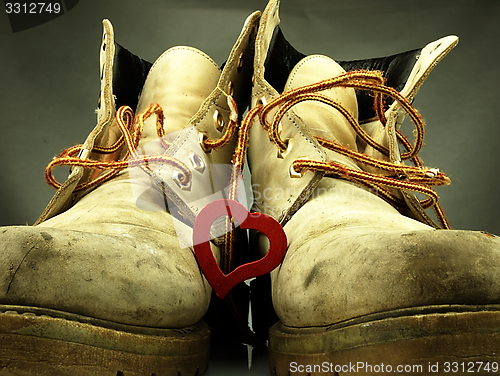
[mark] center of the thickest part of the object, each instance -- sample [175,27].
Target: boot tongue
[179,81]
[322,120]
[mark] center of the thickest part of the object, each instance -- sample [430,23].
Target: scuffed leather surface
[116,255]
[64,196]
[122,278]
[269,172]
[351,254]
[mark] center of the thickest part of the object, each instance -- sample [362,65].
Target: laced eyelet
[176,177]
[288,142]
[261,101]
[218,121]
[202,137]
[294,174]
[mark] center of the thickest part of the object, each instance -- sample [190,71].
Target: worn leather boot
[106,282]
[368,284]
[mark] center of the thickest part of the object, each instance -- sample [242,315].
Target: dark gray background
[50,82]
[49,77]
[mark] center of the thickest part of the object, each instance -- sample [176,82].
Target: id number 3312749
[32,8]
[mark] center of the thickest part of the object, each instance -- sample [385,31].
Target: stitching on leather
[293,117]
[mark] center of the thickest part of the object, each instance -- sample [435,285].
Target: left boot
[107,283]
[361,283]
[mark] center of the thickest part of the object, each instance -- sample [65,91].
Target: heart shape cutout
[266,225]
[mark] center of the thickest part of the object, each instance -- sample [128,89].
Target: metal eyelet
[83,154]
[202,137]
[230,88]
[218,121]
[280,129]
[261,101]
[197,162]
[241,61]
[288,142]
[294,174]
[176,177]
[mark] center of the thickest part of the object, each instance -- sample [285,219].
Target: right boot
[366,280]
[106,282]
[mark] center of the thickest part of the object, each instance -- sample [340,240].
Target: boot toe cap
[113,278]
[337,276]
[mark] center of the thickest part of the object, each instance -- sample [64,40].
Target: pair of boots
[107,283]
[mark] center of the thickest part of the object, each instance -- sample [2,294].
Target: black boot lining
[282,58]
[129,76]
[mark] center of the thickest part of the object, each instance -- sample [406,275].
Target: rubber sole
[441,340]
[43,342]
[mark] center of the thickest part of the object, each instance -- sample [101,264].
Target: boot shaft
[308,127]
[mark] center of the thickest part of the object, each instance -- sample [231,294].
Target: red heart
[220,282]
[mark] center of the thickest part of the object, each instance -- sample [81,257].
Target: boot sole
[40,342]
[455,340]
